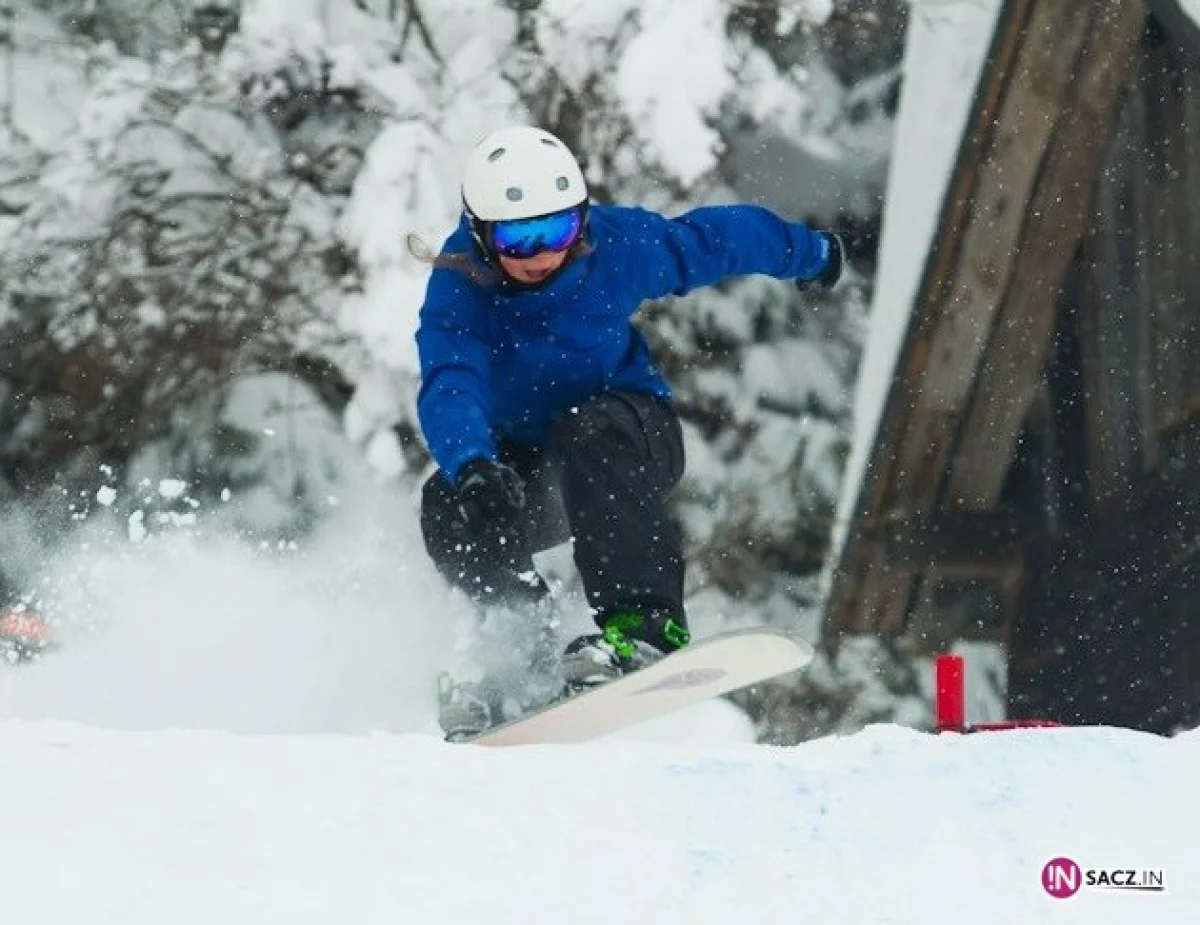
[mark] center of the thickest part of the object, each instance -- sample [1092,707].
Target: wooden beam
[989,248]
[864,590]
[1059,214]
[1005,180]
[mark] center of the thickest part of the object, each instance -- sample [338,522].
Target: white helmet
[521,172]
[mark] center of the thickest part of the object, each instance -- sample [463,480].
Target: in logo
[1062,878]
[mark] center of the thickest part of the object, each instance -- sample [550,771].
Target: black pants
[602,480]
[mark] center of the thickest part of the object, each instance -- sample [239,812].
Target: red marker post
[950,694]
[950,701]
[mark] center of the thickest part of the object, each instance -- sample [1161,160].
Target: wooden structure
[1036,473]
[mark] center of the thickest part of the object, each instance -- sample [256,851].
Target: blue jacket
[503,362]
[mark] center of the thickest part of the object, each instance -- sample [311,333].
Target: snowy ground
[887,826]
[240,735]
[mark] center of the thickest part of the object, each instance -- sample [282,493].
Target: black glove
[828,277]
[489,494]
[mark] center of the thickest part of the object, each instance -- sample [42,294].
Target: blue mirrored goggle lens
[525,237]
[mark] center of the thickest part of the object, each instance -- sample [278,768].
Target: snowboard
[705,669]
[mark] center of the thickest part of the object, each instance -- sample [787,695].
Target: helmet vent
[496,155]
[550,143]
[514,194]
[562,183]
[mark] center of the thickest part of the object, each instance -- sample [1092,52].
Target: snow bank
[888,825]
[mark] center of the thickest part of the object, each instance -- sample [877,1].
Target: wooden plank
[1059,212]
[971,266]
[863,588]
[990,246]
[985,250]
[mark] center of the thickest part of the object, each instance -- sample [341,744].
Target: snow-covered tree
[170,247]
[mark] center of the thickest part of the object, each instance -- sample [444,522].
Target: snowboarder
[542,405]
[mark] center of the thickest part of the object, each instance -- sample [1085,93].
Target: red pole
[950,697]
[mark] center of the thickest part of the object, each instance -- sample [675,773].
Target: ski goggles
[526,237]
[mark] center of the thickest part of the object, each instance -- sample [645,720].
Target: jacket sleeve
[454,402]
[711,243]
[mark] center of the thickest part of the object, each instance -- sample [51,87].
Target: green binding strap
[677,634]
[618,627]
[615,628]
